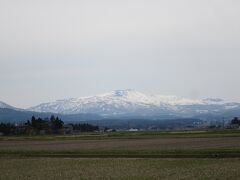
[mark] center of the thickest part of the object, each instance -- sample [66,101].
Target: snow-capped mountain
[6,106]
[130,102]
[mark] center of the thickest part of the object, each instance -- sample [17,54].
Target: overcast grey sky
[54,49]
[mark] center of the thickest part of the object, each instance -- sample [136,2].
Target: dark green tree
[56,124]
[235,121]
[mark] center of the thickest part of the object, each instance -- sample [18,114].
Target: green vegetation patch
[211,153]
[129,135]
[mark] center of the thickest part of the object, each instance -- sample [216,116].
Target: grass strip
[213,153]
[129,135]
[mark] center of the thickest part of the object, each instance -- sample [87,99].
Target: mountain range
[122,103]
[133,104]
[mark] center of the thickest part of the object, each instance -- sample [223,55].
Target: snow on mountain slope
[122,102]
[4,105]
[115,102]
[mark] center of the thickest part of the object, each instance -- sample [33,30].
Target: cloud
[164,47]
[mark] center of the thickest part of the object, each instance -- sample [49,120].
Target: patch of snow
[128,101]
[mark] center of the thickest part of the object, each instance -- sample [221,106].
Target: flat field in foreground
[72,168]
[141,155]
[191,144]
[120,148]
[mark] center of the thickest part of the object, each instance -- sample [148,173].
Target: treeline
[7,128]
[52,125]
[235,121]
[39,126]
[85,127]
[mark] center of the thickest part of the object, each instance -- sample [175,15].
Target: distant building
[133,130]
[42,132]
[234,126]
[110,130]
[68,129]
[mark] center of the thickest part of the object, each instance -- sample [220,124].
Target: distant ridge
[121,106]
[133,103]
[4,105]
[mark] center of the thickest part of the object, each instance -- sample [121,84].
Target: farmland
[74,168]
[123,155]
